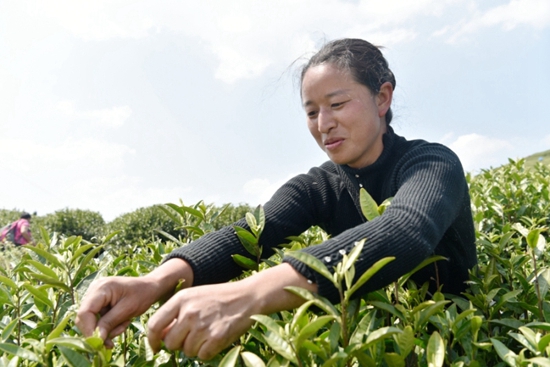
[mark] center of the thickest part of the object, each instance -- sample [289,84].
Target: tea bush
[142,225]
[502,320]
[73,222]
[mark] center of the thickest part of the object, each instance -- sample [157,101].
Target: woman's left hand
[203,320]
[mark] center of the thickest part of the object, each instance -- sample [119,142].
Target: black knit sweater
[430,214]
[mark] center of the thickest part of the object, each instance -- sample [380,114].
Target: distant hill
[543,157]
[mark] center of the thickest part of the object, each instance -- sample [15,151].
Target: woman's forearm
[269,288]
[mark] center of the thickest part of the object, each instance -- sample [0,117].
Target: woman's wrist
[172,274]
[269,289]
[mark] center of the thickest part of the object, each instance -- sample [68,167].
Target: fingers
[199,321]
[107,307]
[87,315]
[161,323]
[115,321]
[119,329]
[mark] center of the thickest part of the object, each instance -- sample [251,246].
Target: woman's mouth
[333,143]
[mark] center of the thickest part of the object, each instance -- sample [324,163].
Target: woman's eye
[338,104]
[312,114]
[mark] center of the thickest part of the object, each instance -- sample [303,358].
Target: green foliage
[250,239]
[8,216]
[72,222]
[143,224]
[502,320]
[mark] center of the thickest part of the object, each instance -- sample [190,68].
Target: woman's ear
[384,98]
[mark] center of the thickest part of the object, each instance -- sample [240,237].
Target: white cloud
[240,33]
[477,151]
[83,155]
[546,142]
[534,13]
[107,117]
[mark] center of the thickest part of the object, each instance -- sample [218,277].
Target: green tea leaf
[381,333]
[252,360]
[312,328]
[424,315]
[39,294]
[7,281]
[269,323]
[362,328]
[405,341]
[89,256]
[51,258]
[248,240]
[70,342]
[533,238]
[312,262]
[73,358]
[354,254]
[403,280]
[8,329]
[43,269]
[259,214]
[108,237]
[51,281]
[279,345]
[80,250]
[540,361]
[368,205]
[394,360]
[318,301]
[543,343]
[5,296]
[56,332]
[19,351]
[367,275]
[230,359]
[194,212]
[435,352]
[504,353]
[245,262]
[251,221]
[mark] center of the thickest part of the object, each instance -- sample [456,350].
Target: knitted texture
[430,214]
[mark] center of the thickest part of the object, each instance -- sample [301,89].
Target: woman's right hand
[110,303]
[116,300]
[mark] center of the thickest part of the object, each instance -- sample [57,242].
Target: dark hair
[362,59]
[25,215]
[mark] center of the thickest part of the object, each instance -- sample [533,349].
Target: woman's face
[344,117]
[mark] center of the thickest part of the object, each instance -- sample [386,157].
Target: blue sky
[114,105]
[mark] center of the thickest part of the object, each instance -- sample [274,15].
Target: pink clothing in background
[19,239]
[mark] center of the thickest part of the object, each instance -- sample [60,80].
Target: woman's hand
[116,300]
[110,303]
[202,321]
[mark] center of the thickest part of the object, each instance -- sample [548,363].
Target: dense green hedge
[143,224]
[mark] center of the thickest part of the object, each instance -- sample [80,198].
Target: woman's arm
[429,193]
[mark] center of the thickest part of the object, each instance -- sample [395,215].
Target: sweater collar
[388,140]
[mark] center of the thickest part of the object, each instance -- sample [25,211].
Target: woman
[20,231]
[347,91]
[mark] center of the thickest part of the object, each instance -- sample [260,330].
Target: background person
[346,89]
[21,230]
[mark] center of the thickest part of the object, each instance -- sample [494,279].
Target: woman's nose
[325,121]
